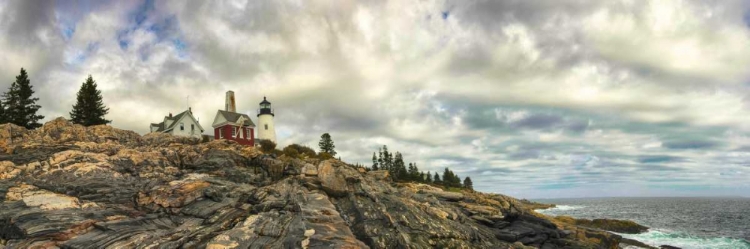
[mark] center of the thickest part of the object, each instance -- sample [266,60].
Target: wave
[686,241]
[560,208]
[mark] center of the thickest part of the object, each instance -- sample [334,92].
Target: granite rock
[69,186]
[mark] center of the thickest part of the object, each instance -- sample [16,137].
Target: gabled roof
[232,117]
[160,125]
[175,119]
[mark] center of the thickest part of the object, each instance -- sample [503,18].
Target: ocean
[680,221]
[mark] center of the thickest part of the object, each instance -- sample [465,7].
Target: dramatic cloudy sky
[535,99]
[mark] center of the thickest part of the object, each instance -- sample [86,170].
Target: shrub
[324,156]
[267,145]
[291,152]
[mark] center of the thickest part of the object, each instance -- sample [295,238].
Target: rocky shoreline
[610,225]
[69,186]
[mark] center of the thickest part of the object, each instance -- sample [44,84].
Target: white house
[183,124]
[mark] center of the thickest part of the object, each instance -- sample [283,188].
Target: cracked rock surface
[68,186]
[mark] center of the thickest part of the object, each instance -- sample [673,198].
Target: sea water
[683,222]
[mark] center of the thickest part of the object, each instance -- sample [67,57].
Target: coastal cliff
[68,186]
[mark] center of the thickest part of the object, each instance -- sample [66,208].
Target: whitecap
[655,237]
[559,208]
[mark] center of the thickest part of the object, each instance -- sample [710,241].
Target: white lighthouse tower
[265,121]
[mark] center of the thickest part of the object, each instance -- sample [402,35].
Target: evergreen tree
[380,159]
[410,172]
[437,179]
[395,168]
[89,108]
[428,178]
[20,107]
[421,177]
[326,144]
[387,159]
[414,172]
[450,179]
[446,177]
[468,184]
[374,162]
[3,119]
[398,163]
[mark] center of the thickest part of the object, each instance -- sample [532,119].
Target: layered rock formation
[618,226]
[68,186]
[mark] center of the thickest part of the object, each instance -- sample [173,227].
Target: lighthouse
[265,121]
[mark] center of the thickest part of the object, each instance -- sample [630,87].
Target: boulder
[310,170]
[11,134]
[331,180]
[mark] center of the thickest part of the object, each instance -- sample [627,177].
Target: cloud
[691,144]
[659,159]
[529,98]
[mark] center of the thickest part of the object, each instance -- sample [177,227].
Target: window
[234,132]
[192,127]
[182,126]
[266,126]
[221,133]
[247,132]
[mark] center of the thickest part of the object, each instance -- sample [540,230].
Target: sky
[534,99]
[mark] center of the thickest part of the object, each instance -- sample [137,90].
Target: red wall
[226,131]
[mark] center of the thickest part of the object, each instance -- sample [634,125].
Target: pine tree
[387,159]
[450,179]
[468,184]
[447,177]
[399,168]
[429,177]
[374,162]
[421,177]
[380,159]
[437,179]
[414,172]
[395,167]
[326,144]
[89,108]
[20,107]
[3,119]
[410,172]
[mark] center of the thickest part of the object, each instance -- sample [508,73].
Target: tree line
[19,107]
[399,171]
[381,160]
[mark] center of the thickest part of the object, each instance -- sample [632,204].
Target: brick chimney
[230,105]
